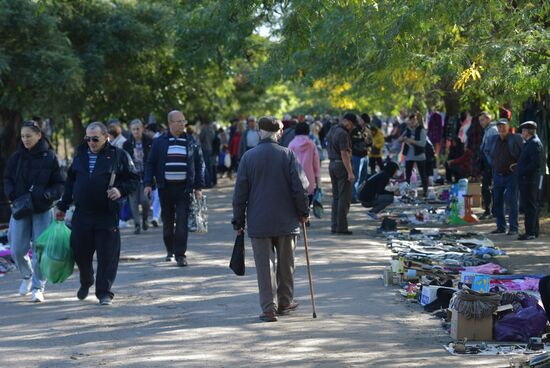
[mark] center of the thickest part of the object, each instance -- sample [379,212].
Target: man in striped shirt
[176,164]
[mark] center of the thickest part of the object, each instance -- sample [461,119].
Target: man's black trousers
[174,203]
[91,235]
[528,192]
[486,182]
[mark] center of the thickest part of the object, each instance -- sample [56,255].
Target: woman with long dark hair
[414,150]
[33,168]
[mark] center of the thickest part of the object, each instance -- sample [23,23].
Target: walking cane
[309,272]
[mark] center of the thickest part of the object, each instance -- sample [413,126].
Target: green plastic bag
[55,254]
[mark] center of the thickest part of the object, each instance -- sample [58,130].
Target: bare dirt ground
[205,316]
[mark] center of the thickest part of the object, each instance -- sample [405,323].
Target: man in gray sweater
[271,195]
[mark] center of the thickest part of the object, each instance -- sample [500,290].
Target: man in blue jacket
[100,175]
[271,195]
[176,165]
[530,178]
[502,151]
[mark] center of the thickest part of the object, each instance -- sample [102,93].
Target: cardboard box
[467,277]
[429,294]
[472,329]
[474,189]
[481,283]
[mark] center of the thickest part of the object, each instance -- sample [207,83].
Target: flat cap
[269,124]
[528,125]
[502,121]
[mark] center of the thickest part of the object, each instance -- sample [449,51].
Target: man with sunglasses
[98,178]
[176,165]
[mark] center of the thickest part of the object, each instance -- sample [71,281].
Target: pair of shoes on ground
[82,294]
[527,237]
[345,232]
[138,228]
[25,289]
[502,231]
[271,316]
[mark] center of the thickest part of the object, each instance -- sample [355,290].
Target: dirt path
[203,315]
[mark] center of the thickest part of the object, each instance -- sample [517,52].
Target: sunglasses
[95,139]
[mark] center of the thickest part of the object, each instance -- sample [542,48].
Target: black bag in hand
[237,258]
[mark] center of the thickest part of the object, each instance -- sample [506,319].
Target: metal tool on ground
[309,272]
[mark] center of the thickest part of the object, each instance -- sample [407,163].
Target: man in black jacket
[138,147]
[373,193]
[529,171]
[176,165]
[99,176]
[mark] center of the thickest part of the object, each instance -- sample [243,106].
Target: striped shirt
[92,159]
[176,160]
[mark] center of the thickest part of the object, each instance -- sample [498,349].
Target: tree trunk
[78,130]
[10,121]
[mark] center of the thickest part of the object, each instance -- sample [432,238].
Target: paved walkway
[205,316]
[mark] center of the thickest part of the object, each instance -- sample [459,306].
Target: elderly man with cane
[271,194]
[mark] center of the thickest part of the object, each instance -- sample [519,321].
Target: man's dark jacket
[270,193]
[37,167]
[156,163]
[146,143]
[375,185]
[89,192]
[529,163]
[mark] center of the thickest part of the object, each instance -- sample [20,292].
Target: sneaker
[155,222]
[168,257]
[372,215]
[137,230]
[526,237]
[37,296]
[181,261]
[105,300]
[486,216]
[25,287]
[122,224]
[270,316]
[498,231]
[82,293]
[287,309]
[145,226]
[512,232]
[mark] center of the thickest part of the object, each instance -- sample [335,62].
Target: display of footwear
[105,300]
[169,257]
[372,215]
[282,310]
[37,296]
[498,231]
[512,232]
[270,316]
[82,293]
[181,261]
[155,222]
[25,287]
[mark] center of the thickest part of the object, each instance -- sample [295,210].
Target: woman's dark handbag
[237,258]
[22,207]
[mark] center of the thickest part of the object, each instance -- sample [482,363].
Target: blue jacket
[515,142]
[270,191]
[156,163]
[529,163]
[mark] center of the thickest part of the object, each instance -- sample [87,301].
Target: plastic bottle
[462,190]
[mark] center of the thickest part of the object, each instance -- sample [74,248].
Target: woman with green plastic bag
[32,182]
